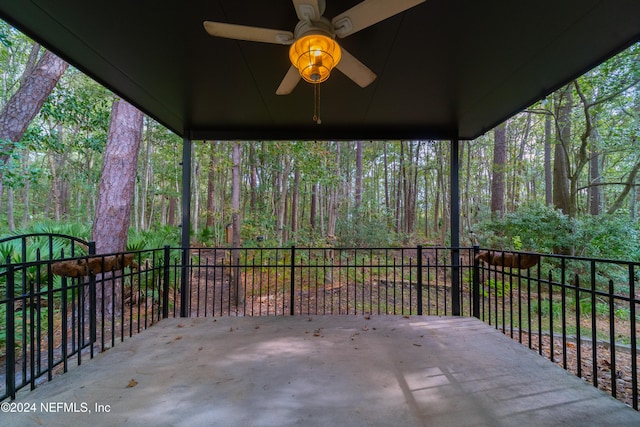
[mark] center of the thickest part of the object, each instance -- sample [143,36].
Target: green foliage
[608,236]
[543,229]
[154,239]
[368,231]
[546,309]
[206,236]
[57,165]
[255,225]
[35,245]
[517,243]
[533,227]
[496,287]
[601,307]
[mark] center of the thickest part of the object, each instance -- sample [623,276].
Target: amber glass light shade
[315,56]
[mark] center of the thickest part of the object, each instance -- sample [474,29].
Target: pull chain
[316,103]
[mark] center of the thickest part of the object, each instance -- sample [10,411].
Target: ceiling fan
[314,52]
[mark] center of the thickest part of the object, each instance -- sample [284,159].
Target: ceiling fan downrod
[316,103]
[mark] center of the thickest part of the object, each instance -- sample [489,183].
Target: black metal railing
[323,281]
[580,313]
[55,310]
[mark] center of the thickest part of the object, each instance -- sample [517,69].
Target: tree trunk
[172,209]
[235,219]
[358,193]
[211,186]
[31,62]
[147,173]
[253,201]
[313,210]
[438,187]
[334,200]
[284,182]
[235,193]
[54,163]
[387,203]
[499,163]
[426,203]
[519,166]
[27,102]
[413,189]
[10,216]
[468,202]
[561,189]
[595,199]
[633,199]
[548,175]
[294,200]
[116,188]
[26,193]
[629,185]
[399,193]
[195,194]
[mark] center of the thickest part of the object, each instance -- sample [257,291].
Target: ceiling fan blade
[355,70]
[289,82]
[367,13]
[243,32]
[309,10]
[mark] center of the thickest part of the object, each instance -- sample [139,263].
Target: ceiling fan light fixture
[314,56]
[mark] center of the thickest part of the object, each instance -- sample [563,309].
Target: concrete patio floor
[319,371]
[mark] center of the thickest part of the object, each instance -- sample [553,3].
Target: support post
[186,225]
[455,227]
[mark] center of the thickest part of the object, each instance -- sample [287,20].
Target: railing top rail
[57,235]
[566,257]
[318,248]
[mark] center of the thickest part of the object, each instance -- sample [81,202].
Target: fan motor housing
[314,52]
[322,26]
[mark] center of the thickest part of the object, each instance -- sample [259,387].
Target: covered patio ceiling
[446,69]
